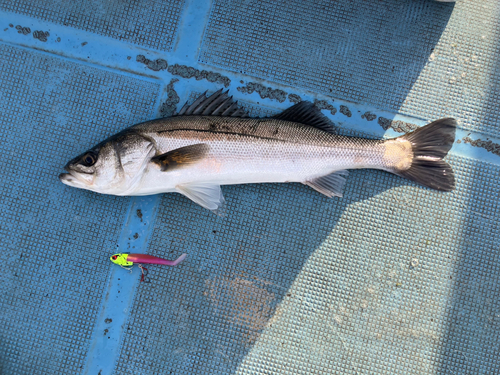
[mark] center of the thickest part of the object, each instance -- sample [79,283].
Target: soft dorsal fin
[307,113]
[181,157]
[217,104]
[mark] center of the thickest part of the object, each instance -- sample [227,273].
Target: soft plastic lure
[128,260]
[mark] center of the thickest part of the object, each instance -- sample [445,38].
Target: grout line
[108,334]
[105,346]
[105,343]
[191,29]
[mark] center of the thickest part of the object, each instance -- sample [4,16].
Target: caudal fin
[430,144]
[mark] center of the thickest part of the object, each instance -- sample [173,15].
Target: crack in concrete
[489,146]
[167,109]
[263,91]
[294,98]
[323,104]
[156,65]
[345,111]
[398,125]
[185,71]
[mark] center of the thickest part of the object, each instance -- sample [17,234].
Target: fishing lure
[127,260]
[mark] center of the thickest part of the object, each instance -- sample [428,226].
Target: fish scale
[277,150]
[195,154]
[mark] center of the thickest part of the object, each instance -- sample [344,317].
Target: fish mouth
[73,178]
[70,180]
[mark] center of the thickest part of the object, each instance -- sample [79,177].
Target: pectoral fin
[206,195]
[181,157]
[330,185]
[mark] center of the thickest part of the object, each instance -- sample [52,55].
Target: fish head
[121,260]
[111,167]
[96,169]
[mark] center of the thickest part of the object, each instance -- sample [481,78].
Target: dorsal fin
[217,104]
[307,113]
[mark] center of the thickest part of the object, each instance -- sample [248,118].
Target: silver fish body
[254,151]
[194,154]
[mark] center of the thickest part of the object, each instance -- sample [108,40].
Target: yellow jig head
[121,260]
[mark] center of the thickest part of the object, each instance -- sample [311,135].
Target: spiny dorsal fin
[181,157]
[330,185]
[217,104]
[308,114]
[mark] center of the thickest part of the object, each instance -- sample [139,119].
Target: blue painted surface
[55,241]
[393,278]
[122,283]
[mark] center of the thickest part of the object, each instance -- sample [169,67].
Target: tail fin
[430,144]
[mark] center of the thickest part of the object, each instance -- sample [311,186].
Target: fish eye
[89,159]
[114,257]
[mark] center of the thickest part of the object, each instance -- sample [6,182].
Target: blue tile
[392,278]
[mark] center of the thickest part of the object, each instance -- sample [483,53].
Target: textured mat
[362,284]
[422,58]
[376,295]
[53,238]
[348,49]
[392,278]
[151,24]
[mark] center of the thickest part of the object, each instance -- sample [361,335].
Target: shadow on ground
[240,268]
[362,51]
[472,320]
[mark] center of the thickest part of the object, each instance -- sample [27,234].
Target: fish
[213,142]
[128,260]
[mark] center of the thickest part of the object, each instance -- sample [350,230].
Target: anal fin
[330,185]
